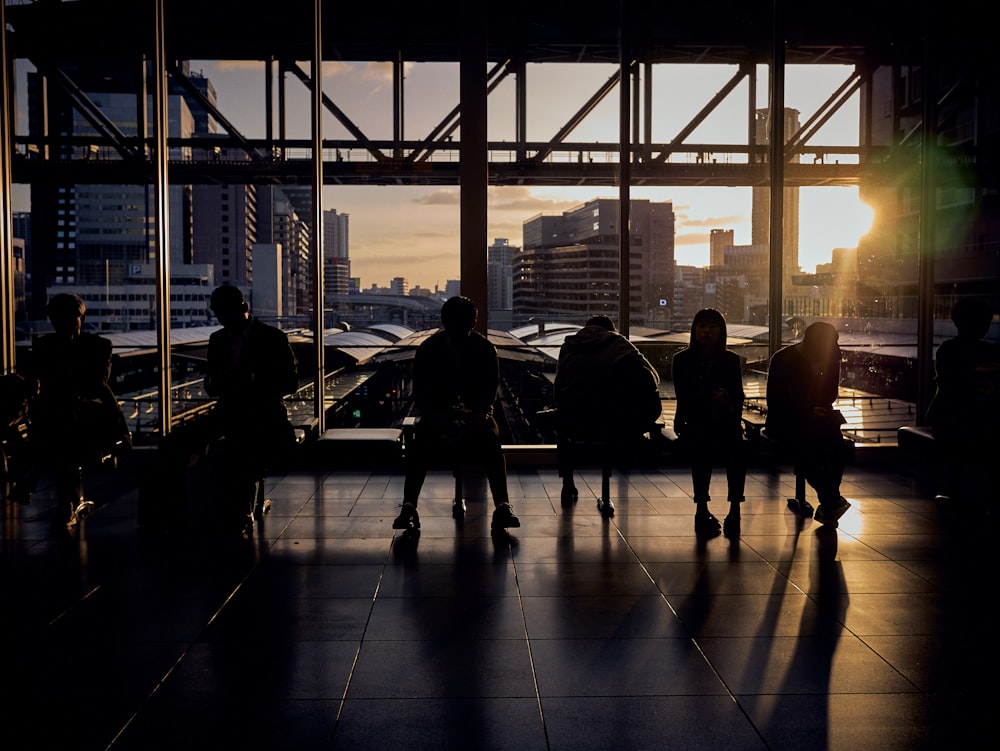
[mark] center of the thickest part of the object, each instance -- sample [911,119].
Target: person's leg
[705,524]
[564,462]
[425,443]
[736,477]
[496,474]
[828,473]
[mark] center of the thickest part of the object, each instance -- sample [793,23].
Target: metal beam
[162,218]
[363,140]
[578,116]
[705,111]
[7,331]
[178,75]
[316,236]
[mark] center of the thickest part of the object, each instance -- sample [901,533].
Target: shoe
[458,508]
[65,520]
[568,496]
[19,495]
[801,506]
[83,509]
[706,525]
[503,517]
[606,507]
[830,513]
[731,526]
[263,509]
[408,518]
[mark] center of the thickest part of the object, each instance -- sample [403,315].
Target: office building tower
[97,234]
[718,241]
[500,283]
[279,222]
[568,268]
[336,254]
[224,220]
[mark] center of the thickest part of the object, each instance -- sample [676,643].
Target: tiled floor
[330,631]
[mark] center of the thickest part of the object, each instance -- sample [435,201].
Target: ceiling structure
[633,34]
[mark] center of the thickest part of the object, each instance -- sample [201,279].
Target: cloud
[716,222]
[446,197]
[524,201]
[691,238]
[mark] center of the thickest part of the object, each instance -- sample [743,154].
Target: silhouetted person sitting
[605,390]
[965,412]
[74,417]
[708,383]
[802,384]
[456,377]
[250,369]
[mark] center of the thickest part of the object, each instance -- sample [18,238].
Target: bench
[376,448]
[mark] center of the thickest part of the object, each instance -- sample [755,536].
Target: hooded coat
[603,383]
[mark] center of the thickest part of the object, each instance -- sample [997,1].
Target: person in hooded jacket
[708,383]
[605,389]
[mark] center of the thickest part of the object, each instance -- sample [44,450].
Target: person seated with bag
[456,378]
[75,418]
[802,384]
[606,391]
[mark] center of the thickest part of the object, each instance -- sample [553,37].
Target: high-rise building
[568,267]
[336,254]
[97,234]
[224,220]
[500,282]
[718,241]
[286,228]
[760,218]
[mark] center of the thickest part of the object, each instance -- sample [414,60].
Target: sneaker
[829,513]
[731,526]
[801,507]
[458,508]
[568,496]
[83,509]
[407,519]
[606,507]
[263,509]
[503,517]
[706,525]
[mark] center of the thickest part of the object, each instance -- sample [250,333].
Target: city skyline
[421,243]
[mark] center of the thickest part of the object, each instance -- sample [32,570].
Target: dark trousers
[820,458]
[434,444]
[708,450]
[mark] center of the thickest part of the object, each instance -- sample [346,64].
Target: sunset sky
[414,231]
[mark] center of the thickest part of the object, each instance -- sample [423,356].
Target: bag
[100,429]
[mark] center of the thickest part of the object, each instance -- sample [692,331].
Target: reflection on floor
[330,631]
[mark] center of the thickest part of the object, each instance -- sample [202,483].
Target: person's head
[819,342]
[229,305]
[602,322]
[66,312]
[458,315]
[708,330]
[972,317]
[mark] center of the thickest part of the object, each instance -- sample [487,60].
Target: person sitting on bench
[605,391]
[802,384]
[456,377]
